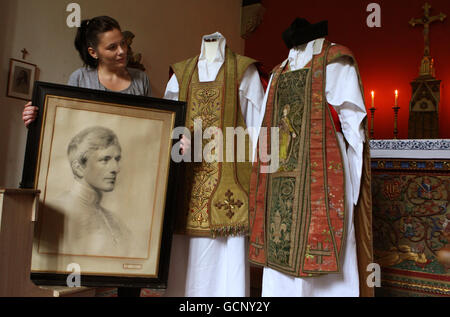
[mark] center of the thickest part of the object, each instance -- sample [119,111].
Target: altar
[411,215]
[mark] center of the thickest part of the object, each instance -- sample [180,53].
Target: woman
[104,51]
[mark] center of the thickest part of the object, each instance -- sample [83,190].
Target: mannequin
[208,260]
[211,47]
[321,260]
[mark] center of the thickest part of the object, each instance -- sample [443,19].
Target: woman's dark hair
[87,36]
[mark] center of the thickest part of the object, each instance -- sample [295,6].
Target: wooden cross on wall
[426,20]
[24,53]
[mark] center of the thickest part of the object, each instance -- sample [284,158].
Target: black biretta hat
[301,32]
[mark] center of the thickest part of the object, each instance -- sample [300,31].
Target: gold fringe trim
[229,230]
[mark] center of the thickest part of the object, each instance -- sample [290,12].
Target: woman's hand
[29,114]
[185,145]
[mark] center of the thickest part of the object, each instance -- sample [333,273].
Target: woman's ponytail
[82,45]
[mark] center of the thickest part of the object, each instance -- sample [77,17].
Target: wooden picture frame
[102,161]
[21,79]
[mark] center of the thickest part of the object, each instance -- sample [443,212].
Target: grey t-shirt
[88,78]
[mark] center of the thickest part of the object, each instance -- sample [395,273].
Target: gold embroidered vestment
[214,198]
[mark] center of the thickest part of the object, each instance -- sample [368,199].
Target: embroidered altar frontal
[411,216]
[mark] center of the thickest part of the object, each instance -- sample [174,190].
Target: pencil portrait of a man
[94,155]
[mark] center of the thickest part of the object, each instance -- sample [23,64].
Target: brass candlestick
[396,108]
[372,110]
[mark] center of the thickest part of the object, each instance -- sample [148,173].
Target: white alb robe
[344,94]
[206,267]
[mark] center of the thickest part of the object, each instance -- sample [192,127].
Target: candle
[396,98]
[373,99]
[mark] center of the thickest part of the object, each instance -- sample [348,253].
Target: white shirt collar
[87,195]
[207,71]
[300,55]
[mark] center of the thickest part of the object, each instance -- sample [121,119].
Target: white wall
[167,31]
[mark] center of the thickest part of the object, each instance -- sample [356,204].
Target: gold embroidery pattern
[203,184]
[205,105]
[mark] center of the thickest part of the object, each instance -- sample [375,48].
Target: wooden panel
[59,291]
[16,235]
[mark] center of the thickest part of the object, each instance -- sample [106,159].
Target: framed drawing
[21,79]
[102,161]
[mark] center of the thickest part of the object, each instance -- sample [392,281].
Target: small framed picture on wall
[21,79]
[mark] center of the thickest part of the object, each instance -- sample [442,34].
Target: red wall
[388,57]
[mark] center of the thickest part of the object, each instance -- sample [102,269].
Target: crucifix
[24,53]
[426,20]
[424,105]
